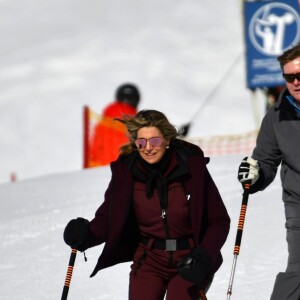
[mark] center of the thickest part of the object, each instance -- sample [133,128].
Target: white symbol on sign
[268,26]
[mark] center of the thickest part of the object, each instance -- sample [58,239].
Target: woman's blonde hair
[146,118]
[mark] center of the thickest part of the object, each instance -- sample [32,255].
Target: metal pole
[86,135]
[69,274]
[239,234]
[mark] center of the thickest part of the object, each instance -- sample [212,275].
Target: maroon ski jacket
[115,223]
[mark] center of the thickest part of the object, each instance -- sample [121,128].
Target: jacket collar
[285,103]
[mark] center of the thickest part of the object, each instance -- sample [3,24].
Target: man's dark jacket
[278,142]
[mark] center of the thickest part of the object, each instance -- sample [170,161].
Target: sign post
[271,27]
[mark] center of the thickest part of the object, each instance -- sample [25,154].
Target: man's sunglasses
[291,77]
[154,142]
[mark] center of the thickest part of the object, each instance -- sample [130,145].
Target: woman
[162,210]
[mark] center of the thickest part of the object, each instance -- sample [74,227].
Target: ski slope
[34,258]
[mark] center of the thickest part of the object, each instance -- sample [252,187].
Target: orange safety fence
[227,144]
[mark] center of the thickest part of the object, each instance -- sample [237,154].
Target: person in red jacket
[161,210]
[109,135]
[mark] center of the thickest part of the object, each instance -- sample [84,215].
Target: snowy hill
[57,56]
[34,257]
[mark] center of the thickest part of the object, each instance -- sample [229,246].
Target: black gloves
[76,233]
[195,266]
[248,170]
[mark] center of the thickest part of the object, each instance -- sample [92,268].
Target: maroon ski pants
[154,275]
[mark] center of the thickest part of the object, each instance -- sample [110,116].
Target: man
[109,135]
[278,143]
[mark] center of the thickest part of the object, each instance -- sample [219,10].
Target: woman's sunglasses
[154,142]
[291,77]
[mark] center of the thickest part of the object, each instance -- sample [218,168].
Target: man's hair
[147,118]
[289,55]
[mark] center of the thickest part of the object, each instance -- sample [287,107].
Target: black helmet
[128,93]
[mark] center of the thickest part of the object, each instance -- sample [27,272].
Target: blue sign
[271,27]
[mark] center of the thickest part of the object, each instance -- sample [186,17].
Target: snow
[34,257]
[57,56]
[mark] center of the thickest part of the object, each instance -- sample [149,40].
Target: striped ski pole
[202,295]
[69,274]
[239,234]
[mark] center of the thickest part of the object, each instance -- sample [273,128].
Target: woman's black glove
[76,233]
[195,267]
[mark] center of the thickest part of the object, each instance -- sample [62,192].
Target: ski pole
[202,295]
[239,234]
[69,274]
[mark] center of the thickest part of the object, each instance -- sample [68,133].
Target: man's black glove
[248,170]
[195,267]
[76,232]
